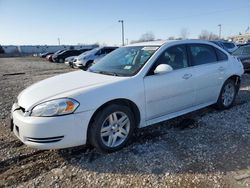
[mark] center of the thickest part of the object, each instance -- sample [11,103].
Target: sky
[39,22]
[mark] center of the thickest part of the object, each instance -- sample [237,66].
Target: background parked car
[228,46]
[85,60]
[1,50]
[49,57]
[69,60]
[60,58]
[43,55]
[243,44]
[243,53]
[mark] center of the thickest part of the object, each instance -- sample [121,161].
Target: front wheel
[112,128]
[227,95]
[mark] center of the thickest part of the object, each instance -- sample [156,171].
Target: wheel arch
[237,79]
[120,101]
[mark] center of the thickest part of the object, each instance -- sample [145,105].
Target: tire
[88,64]
[61,60]
[227,95]
[112,128]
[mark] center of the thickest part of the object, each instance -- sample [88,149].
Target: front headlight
[55,107]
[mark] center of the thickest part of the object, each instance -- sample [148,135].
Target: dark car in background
[49,57]
[43,55]
[1,50]
[228,46]
[60,58]
[243,53]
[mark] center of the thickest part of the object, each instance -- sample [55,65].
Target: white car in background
[69,60]
[86,59]
[230,46]
[132,87]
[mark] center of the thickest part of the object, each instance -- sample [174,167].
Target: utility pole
[122,22]
[219,31]
[58,41]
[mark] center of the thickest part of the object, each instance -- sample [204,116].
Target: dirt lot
[207,148]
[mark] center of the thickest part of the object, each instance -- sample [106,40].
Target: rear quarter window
[221,55]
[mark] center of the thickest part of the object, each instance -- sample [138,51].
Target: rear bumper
[52,132]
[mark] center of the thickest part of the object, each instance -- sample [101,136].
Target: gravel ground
[207,148]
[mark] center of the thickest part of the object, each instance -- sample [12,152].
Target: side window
[246,50]
[175,56]
[107,51]
[99,52]
[202,54]
[110,50]
[221,55]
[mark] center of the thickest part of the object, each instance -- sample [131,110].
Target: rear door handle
[221,68]
[186,76]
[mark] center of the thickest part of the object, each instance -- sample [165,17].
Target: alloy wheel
[115,129]
[228,94]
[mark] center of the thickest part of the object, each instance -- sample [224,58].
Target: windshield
[88,52]
[126,61]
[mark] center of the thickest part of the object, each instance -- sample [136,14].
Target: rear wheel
[227,95]
[112,128]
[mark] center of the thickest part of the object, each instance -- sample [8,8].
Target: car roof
[108,47]
[246,45]
[164,42]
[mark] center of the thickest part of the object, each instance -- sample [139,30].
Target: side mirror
[162,69]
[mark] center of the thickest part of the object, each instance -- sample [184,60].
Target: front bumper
[51,132]
[79,64]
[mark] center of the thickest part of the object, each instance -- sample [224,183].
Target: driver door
[172,91]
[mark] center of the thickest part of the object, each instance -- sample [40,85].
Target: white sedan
[134,86]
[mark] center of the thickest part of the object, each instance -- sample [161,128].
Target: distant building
[241,38]
[32,49]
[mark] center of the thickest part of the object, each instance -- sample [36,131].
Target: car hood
[53,87]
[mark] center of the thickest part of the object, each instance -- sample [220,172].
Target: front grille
[45,140]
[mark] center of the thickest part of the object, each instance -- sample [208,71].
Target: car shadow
[203,141]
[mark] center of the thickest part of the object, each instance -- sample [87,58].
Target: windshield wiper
[105,72]
[108,73]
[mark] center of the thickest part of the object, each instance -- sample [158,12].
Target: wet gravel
[206,148]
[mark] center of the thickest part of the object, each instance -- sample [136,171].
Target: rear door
[210,65]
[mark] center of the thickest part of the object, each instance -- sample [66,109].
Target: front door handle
[187,76]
